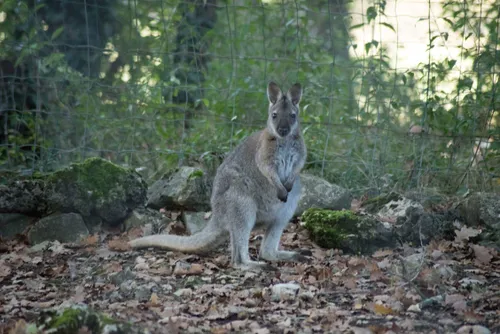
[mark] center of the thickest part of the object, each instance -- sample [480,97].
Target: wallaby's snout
[283,131]
[283,109]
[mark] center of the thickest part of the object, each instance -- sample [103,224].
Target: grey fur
[257,185]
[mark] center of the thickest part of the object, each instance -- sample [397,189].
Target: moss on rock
[77,317]
[346,231]
[329,228]
[96,187]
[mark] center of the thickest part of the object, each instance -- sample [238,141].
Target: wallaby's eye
[293,116]
[274,115]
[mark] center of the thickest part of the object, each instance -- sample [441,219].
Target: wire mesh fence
[397,94]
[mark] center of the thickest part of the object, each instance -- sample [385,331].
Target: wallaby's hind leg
[269,248]
[243,215]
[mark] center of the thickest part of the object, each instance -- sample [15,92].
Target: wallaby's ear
[295,93]
[273,92]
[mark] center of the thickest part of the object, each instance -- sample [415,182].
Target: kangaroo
[257,185]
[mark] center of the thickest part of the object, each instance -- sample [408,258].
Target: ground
[434,289]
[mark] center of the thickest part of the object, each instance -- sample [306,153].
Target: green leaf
[56,33]
[371,13]
[388,26]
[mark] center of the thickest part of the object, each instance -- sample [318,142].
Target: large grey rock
[418,226]
[96,187]
[23,196]
[142,216]
[13,223]
[63,227]
[187,188]
[194,221]
[319,193]
[483,210]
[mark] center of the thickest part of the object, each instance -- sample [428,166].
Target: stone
[187,188]
[284,291]
[347,231]
[418,226]
[194,221]
[14,223]
[483,210]
[319,193]
[96,187]
[63,227]
[140,217]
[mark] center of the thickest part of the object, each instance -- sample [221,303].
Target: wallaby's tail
[208,238]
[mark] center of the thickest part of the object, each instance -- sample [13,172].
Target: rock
[184,293]
[143,216]
[347,231]
[418,226]
[122,276]
[397,207]
[23,196]
[187,188]
[284,291]
[409,266]
[194,221]
[319,193]
[63,227]
[143,292]
[13,223]
[93,223]
[96,187]
[473,329]
[483,210]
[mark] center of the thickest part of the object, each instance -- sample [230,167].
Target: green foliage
[120,98]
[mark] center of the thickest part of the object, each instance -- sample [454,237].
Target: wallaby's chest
[285,159]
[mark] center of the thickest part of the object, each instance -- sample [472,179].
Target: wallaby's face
[283,109]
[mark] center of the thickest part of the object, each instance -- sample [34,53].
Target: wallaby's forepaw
[283,195]
[288,186]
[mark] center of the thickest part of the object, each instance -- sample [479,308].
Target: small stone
[476,329]
[414,308]
[284,291]
[184,293]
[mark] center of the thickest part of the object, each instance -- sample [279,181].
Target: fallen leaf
[4,269]
[185,268]
[465,233]
[119,245]
[382,309]
[482,254]
[154,300]
[91,240]
[382,253]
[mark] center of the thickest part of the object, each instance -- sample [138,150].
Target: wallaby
[257,185]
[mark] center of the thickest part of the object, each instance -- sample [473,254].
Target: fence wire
[397,94]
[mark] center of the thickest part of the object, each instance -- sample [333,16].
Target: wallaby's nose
[283,131]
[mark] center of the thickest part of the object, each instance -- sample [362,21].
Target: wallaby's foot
[284,256]
[255,266]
